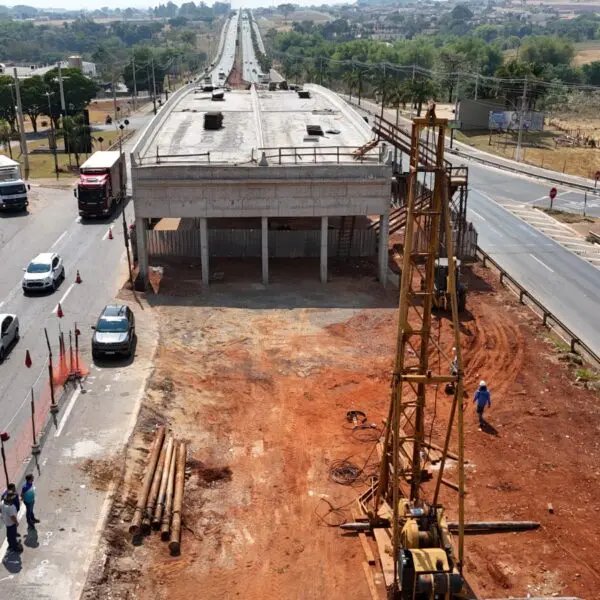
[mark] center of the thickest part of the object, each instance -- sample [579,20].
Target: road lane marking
[477,214]
[64,296]
[541,263]
[59,239]
[67,412]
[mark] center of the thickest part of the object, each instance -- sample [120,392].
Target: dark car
[114,333]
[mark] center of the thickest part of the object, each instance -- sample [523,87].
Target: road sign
[552,193]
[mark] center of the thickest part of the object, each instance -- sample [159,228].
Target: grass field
[41,165]
[278,22]
[585,52]
[539,149]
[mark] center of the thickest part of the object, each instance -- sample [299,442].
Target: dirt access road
[258,381]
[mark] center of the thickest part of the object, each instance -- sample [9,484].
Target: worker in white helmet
[482,399]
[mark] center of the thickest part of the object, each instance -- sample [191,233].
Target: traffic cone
[78,278]
[28,362]
[59,311]
[110,235]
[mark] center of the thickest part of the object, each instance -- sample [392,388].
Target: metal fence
[247,243]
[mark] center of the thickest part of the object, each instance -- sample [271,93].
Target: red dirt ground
[259,381]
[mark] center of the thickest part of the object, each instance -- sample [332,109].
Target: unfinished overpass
[282,176]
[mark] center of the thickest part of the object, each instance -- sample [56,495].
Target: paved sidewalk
[79,466]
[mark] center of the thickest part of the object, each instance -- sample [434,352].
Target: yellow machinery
[402,507]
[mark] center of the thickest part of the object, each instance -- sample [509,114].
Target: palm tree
[5,136]
[351,79]
[73,131]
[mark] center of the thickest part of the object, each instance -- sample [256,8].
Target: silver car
[45,272]
[9,333]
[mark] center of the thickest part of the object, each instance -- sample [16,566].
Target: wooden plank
[363,540]
[370,582]
[384,547]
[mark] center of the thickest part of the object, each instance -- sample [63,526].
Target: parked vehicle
[102,183]
[9,333]
[114,332]
[45,272]
[13,190]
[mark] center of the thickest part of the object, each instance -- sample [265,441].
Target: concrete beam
[384,230]
[204,251]
[324,240]
[264,222]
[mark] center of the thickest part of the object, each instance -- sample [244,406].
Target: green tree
[544,50]
[73,131]
[5,136]
[33,98]
[7,101]
[591,73]
[286,9]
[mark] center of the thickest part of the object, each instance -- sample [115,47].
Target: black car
[114,333]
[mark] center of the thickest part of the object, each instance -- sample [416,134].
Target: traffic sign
[552,193]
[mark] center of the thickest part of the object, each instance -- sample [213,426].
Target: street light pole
[48,94]
[21,126]
[521,117]
[153,87]
[63,106]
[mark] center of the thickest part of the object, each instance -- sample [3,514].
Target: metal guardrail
[595,237]
[575,341]
[285,154]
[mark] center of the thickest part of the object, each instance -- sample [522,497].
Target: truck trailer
[13,190]
[102,184]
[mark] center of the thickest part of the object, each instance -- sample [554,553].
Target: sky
[76,4]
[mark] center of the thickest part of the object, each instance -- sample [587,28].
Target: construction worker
[9,517]
[482,399]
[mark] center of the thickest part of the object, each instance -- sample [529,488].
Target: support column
[384,231]
[264,223]
[324,239]
[204,250]
[141,226]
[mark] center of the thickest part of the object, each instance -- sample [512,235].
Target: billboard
[507,120]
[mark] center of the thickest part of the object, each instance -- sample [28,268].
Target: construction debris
[175,541]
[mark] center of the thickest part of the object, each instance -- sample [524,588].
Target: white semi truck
[102,183]
[13,190]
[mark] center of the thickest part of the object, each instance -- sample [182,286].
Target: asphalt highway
[53,225]
[566,284]
[251,70]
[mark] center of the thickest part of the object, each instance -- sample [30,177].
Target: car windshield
[38,267]
[114,325]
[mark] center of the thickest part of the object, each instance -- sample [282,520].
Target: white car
[9,333]
[45,272]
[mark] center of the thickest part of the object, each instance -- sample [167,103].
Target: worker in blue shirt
[482,400]
[28,497]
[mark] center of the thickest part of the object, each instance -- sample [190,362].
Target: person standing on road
[11,487]
[482,399]
[9,517]
[28,497]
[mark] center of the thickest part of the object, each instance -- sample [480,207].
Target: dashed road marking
[541,263]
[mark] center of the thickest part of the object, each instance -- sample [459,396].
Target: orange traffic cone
[28,362]
[110,235]
[59,311]
[78,278]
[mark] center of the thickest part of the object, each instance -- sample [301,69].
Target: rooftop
[257,121]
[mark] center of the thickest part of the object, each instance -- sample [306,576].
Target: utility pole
[476,84]
[48,94]
[521,117]
[134,82]
[455,109]
[21,126]
[153,87]
[114,92]
[63,106]
[412,104]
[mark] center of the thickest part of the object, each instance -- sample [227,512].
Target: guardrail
[574,340]
[595,237]
[287,154]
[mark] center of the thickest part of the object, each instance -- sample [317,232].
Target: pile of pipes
[160,500]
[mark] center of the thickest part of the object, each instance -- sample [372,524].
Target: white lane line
[541,263]
[58,240]
[4,546]
[477,215]
[64,296]
[67,412]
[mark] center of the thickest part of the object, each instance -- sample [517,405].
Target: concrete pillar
[264,223]
[384,231]
[204,250]
[324,238]
[141,226]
